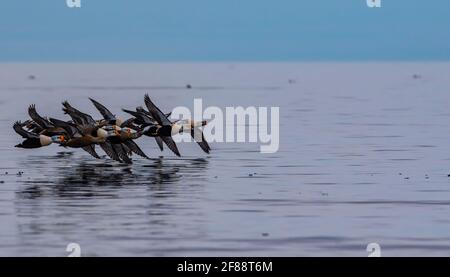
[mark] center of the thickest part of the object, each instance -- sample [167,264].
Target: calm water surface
[364,157]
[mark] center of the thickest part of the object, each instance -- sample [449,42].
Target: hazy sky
[219,30]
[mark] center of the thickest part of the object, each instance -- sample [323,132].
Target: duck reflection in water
[64,175]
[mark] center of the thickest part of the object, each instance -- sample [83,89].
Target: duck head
[130,133]
[58,139]
[133,134]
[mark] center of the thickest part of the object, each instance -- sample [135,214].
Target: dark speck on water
[188,86]
[265,234]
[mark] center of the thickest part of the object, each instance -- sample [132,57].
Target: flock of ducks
[115,136]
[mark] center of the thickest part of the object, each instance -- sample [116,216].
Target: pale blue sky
[224,30]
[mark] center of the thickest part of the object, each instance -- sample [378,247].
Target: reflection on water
[74,177]
[75,195]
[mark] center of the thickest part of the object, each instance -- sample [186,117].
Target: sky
[224,30]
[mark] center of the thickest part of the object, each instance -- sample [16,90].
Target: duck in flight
[40,131]
[120,134]
[158,125]
[117,151]
[32,139]
[179,126]
[115,136]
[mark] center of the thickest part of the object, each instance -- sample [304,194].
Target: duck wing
[159,141]
[18,127]
[127,149]
[78,116]
[109,150]
[122,153]
[39,120]
[32,126]
[156,113]
[142,110]
[70,128]
[128,123]
[91,150]
[141,118]
[196,133]
[135,148]
[171,144]
[107,115]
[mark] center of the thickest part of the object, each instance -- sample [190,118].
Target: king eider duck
[157,125]
[117,152]
[120,133]
[178,126]
[32,140]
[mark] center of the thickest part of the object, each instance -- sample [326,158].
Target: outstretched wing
[135,148]
[171,144]
[156,113]
[70,128]
[91,150]
[107,147]
[195,133]
[107,115]
[39,120]
[18,127]
[128,123]
[141,118]
[77,116]
[32,126]
[159,141]
[122,153]
[140,109]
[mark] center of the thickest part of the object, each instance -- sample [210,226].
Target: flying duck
[120,134]
[153,127]
[32,140]
[178,127]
